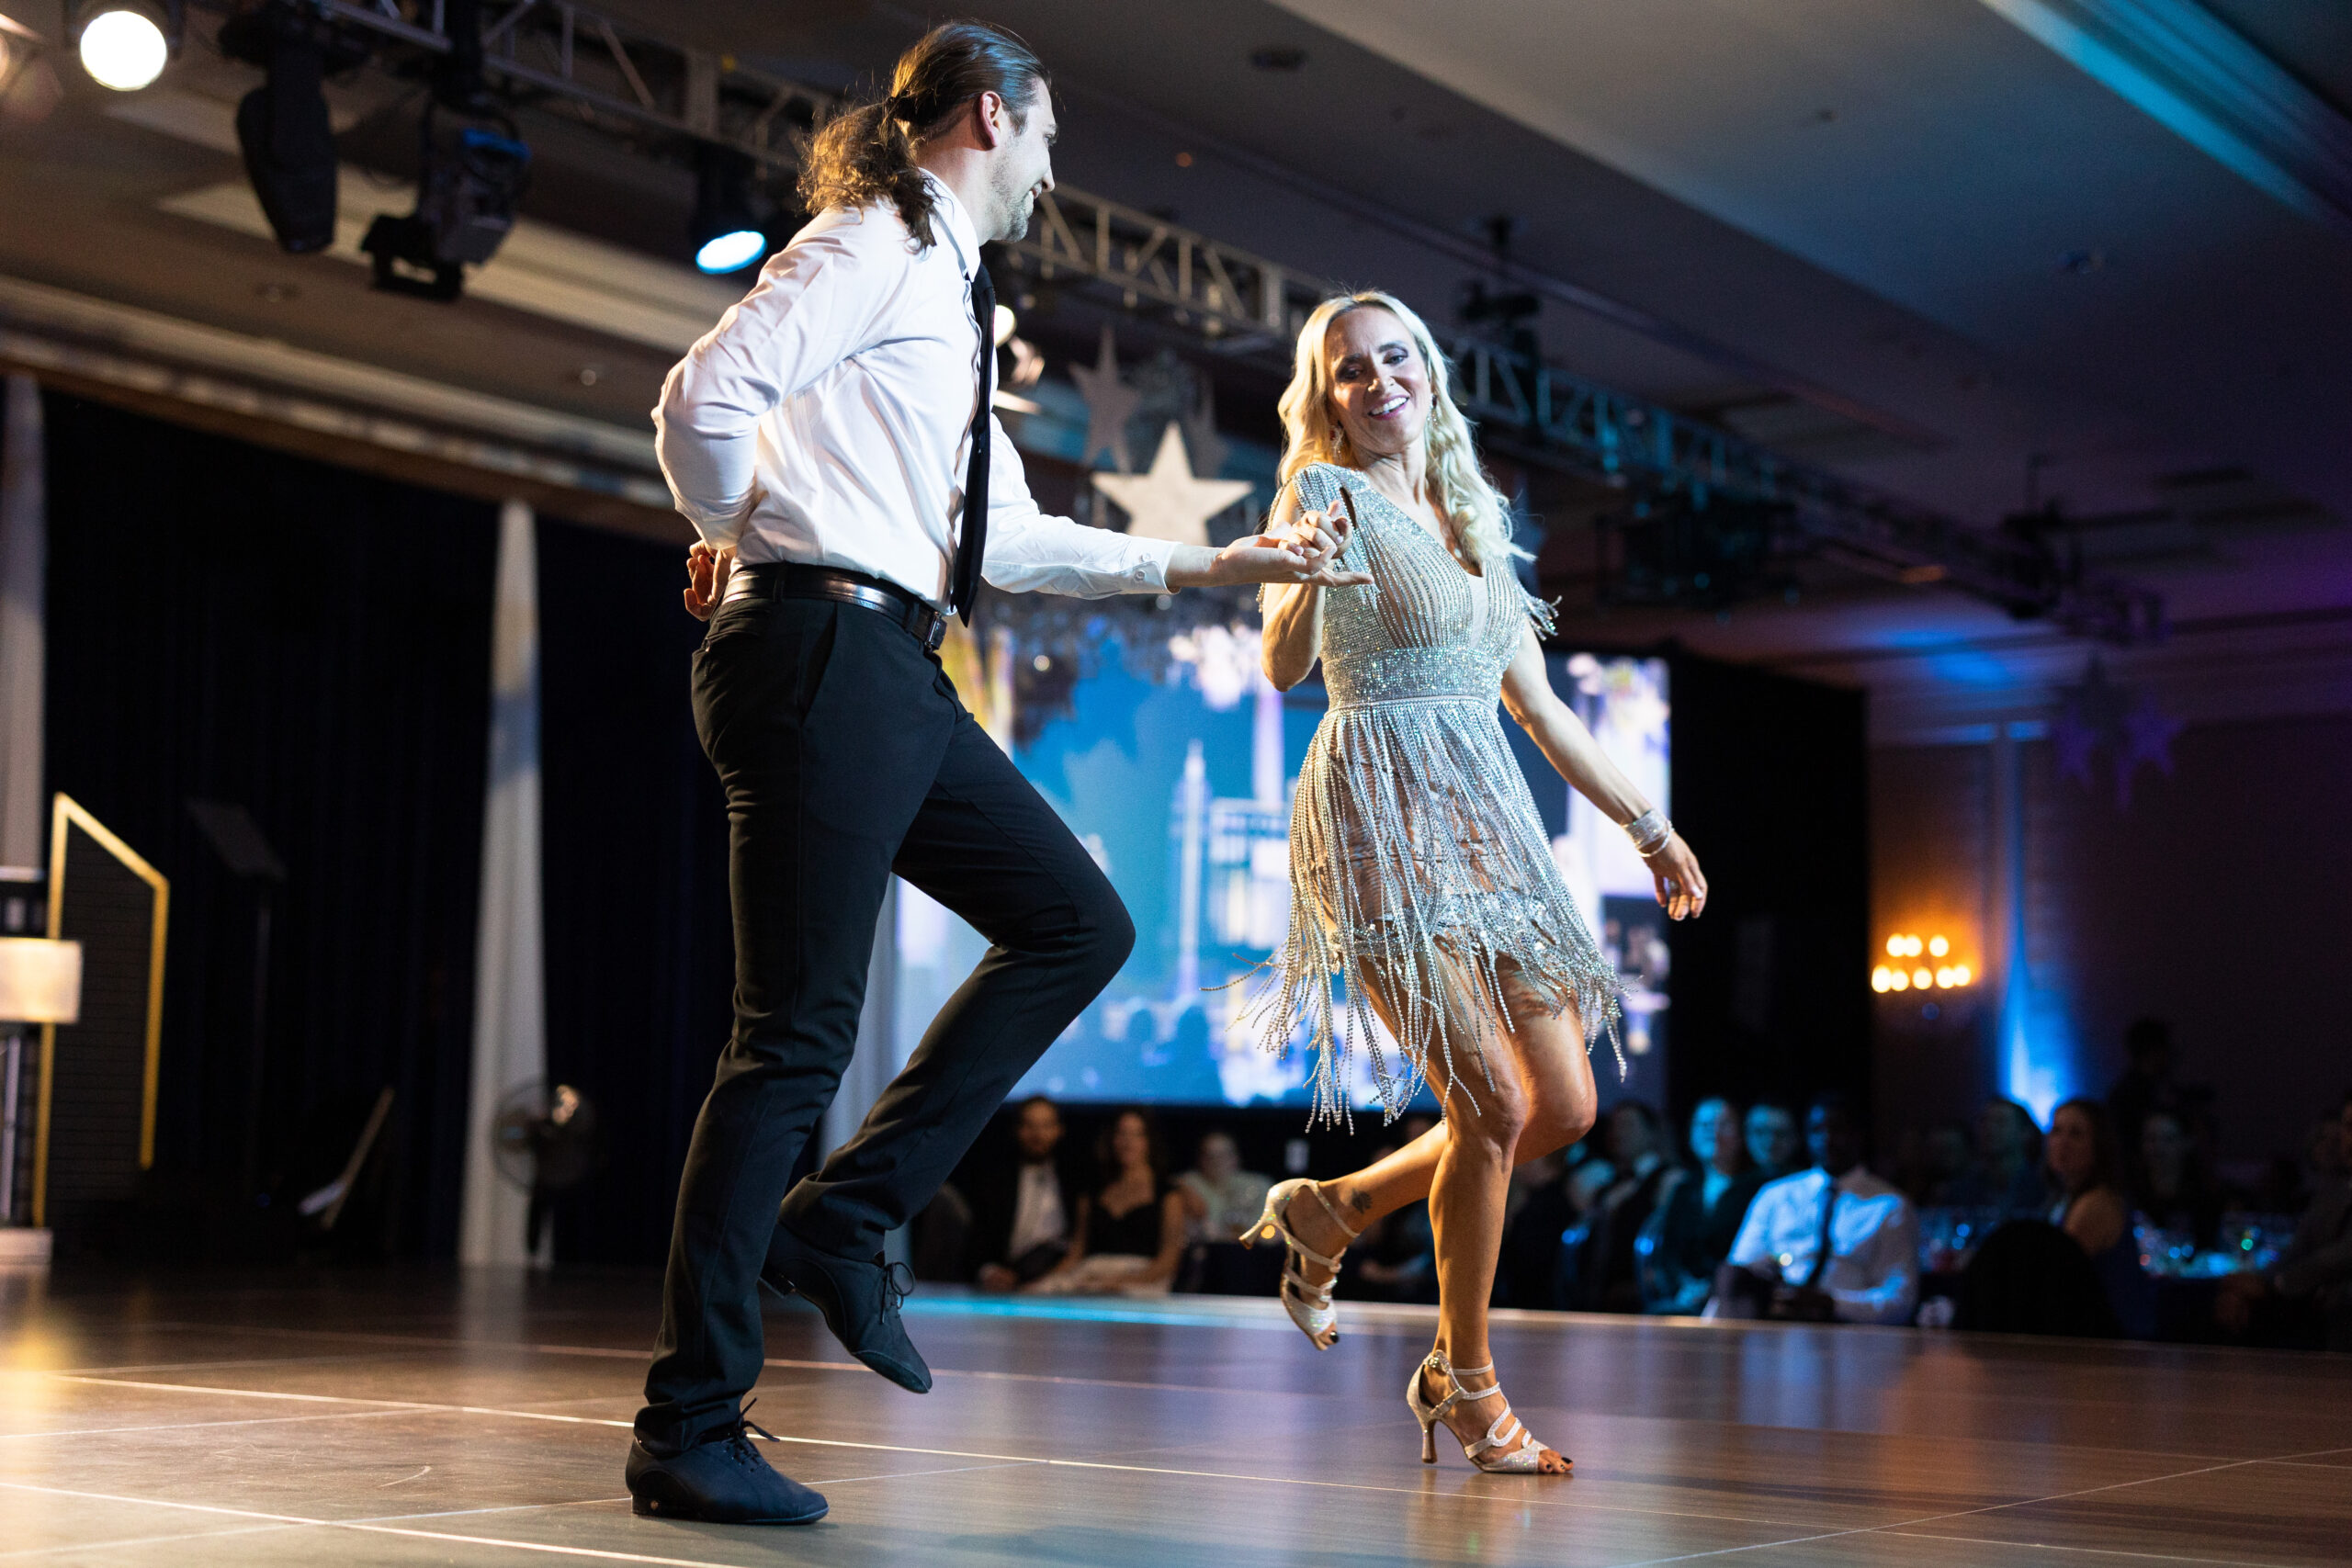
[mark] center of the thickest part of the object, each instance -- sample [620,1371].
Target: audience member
[2147,1084]
[2307,1298]
[1604,1276]
[2007,1172]
[1394,1258]
[2173,1183]
[1537,1210]
[2086,1169]
[1930,1165]
[1022,1211]
[1868,1271]
[1129,1235]
[1772,1142]
[1699,1214]
[1220,1199]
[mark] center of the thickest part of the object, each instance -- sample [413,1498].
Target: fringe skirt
[1417,857]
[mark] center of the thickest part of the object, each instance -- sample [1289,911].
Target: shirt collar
[959,224]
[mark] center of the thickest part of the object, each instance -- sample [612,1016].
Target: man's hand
[1309,555]
[706,573]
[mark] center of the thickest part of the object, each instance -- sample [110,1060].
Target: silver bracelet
[1650,832]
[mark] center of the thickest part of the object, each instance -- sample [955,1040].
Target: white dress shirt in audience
[1037,1216]
[1873,1272]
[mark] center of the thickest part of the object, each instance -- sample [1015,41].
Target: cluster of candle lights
[1901,976]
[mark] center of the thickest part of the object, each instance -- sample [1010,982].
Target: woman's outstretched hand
[1681,887]
[706,573]
[1306,553]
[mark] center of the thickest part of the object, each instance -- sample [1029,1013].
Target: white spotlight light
[124,47]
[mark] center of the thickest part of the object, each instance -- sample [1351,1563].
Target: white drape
[510,995]
[24,564]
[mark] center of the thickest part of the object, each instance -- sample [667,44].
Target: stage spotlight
[726,230]
[1921,978]
[1894,947]
[1938,947]
[1881,979]
[1959,975]
[283,126]
[1896,980]
[465,209]
[125,44]
[1005,322]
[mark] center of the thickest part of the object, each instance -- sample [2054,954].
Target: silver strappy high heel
[1508,1447]
[1309,1304]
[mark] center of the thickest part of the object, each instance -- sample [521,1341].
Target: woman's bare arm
[1569,747]
[1294,612]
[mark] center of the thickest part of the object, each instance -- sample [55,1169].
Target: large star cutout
[1168,502]
[1110,403]
[1201,439]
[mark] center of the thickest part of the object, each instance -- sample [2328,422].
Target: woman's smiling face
[1380,385]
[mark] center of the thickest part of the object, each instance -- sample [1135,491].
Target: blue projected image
[1182,793]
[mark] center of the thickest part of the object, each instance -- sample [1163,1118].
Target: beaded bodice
[1424,627]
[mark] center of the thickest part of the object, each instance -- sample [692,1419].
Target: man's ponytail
[866,153]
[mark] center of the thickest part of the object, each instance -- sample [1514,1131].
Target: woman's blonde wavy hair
[1465,496]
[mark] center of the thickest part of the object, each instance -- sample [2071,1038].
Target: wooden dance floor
[422,1418]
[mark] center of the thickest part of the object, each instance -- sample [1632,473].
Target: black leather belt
[925,623]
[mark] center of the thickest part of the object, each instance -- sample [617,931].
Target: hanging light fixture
[726,231]
[125,44]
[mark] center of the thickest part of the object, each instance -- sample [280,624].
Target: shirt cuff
[1149,575]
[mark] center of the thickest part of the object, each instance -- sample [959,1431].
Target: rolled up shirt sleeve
[1030,552]
[817,302]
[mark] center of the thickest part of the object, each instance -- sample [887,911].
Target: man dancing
[832,438]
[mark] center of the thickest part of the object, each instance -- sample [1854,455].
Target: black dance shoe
[860,1301]
[722,1482]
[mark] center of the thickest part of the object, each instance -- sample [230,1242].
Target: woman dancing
[1421,874]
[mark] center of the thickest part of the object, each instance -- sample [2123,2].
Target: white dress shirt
[1873,1272]
[1037,1215]
[825,420]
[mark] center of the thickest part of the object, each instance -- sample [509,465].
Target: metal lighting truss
[1244,306]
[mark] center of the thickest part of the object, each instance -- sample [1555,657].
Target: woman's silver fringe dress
[1412,833]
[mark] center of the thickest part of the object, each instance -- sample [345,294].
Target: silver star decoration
[1201,439]
[1168,502]
[1110,403]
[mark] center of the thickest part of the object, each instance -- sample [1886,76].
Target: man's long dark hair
[867,152]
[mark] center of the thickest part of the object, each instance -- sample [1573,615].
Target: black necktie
[964,585]
[1821,1252]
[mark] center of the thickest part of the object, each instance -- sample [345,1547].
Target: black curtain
[1771,989]
[312,644]
[639,950]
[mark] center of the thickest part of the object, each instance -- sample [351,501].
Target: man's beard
[1017,205]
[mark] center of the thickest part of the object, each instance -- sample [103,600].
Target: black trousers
[846,756]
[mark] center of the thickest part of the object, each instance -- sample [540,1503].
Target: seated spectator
[1022,1210]
[1869,1272]
[2086,1169]
[2175,1184]
[1605,1279]
[1129,1234]
[1220,1199]
[1930,1164]
[2307,1298]
[2007,1172]
[1394,1258]
[1535,1212]
[1772,1141]
[1699,1214]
